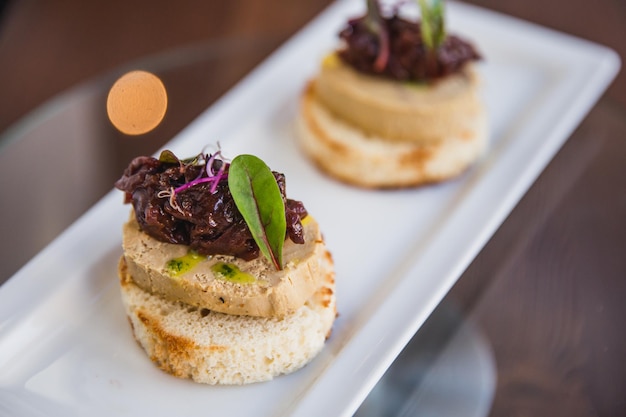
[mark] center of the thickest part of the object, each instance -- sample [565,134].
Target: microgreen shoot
[376,25]
[206,175]
[211,176]
[168,156]
[433,24]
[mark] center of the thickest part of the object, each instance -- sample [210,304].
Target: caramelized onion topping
[408,59]
[202,215]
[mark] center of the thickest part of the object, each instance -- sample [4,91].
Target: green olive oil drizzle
[178,266]
[230,272]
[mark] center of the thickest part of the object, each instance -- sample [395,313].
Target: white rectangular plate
[66,347]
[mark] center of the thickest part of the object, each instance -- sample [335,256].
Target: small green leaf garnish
[168,157]
[258,198]
[433,25]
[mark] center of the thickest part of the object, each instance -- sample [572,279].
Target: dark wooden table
[549,288]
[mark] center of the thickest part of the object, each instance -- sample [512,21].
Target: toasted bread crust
[349,154]
[215,348]
[273,293]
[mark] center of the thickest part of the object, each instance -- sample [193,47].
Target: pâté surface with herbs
[391,46]
[214,206]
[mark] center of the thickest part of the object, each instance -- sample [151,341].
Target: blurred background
[47,47]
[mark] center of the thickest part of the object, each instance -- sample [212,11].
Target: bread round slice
[215,348]
[347,153]
[400,111]
[257,290]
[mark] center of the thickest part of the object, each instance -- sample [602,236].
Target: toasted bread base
[215,348]
[347,153]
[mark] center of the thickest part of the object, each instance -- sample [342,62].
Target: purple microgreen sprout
[212,177]
[172,198]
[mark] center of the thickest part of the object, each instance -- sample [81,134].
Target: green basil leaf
[257,196]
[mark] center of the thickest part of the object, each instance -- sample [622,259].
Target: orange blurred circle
[137,102]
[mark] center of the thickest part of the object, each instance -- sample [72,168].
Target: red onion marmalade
[208,222]
[409,58]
